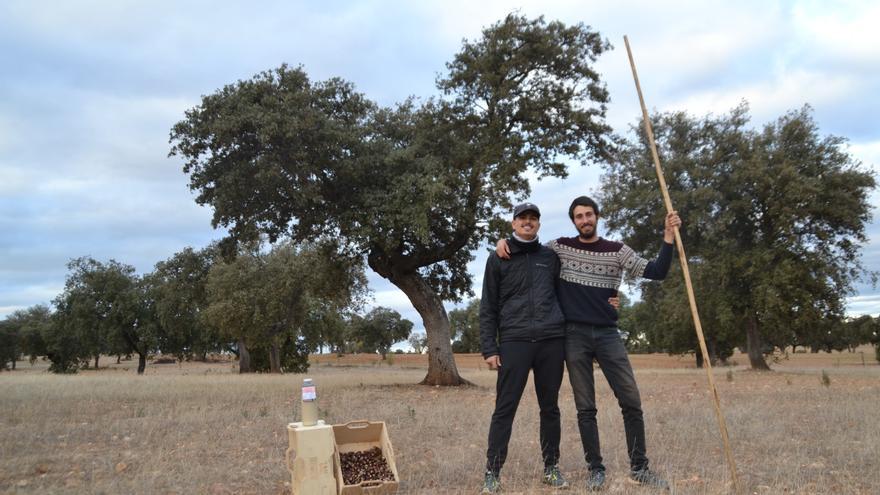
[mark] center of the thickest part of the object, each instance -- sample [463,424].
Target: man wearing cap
[522,329]
[591,271]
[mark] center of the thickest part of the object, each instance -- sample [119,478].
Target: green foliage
[826,380]
[419,341]
[178,288]
[9,338]
[857,331]
[325,325]
[380,329]
[773,224]
[415,187]
[465,327]
[104,309]
[21,333]
[33,323]
[265,300]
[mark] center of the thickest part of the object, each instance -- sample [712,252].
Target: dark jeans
[546,359]
[583,343]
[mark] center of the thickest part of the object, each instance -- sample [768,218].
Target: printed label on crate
[310,393]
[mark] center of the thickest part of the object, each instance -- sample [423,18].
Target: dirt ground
[203,428]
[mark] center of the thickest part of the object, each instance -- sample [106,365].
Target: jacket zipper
[531,281]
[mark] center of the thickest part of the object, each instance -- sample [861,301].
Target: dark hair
[582,201]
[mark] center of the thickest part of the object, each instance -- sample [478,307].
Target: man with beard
[591,271]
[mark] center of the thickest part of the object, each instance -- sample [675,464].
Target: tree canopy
[773,223]
[465,326]
[415,187]
[261,300]
[178,289]
[102,310]
[380,329]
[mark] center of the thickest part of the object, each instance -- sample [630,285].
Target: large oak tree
[414,187]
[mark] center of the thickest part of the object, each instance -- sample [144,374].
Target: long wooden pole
[687,277]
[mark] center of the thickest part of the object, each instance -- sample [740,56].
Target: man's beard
[587,237]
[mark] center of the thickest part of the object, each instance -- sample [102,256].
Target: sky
[89,91]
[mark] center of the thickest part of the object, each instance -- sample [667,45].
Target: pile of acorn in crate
[366,465]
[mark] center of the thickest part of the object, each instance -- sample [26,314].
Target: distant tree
[103,309]
[178,290]
[352,336]
[21,333]
[839,334]
[325,326]
[465,327]
[773,222]
[381,328]
[33,324]
[859,331]
[418,342]
[413,188]
[9,345]
[636,324]
[261,300]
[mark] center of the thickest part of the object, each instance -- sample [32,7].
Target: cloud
[864,305]
[93,88]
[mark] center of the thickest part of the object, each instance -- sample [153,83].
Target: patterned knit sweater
[591,273]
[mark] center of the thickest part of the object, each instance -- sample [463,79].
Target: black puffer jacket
[519,297]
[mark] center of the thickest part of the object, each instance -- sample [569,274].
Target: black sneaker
[649,478]
[553,477]
[596,480]
[491,483]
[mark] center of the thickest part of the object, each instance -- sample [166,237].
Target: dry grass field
[202,428]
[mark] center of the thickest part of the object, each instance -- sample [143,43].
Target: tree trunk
[755,345]
[244,358]
[142,362]
[118,358]
[699,356]
[96,361]
[441,362]
[274,359]
[713,353]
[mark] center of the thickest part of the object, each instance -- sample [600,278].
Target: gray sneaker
[491,483]
[649,478]
[553,477]
[596,480]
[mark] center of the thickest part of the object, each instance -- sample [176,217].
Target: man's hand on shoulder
[502,250]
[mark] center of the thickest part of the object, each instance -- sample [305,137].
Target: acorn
[369,465]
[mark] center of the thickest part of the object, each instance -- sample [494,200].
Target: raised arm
[657,269]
